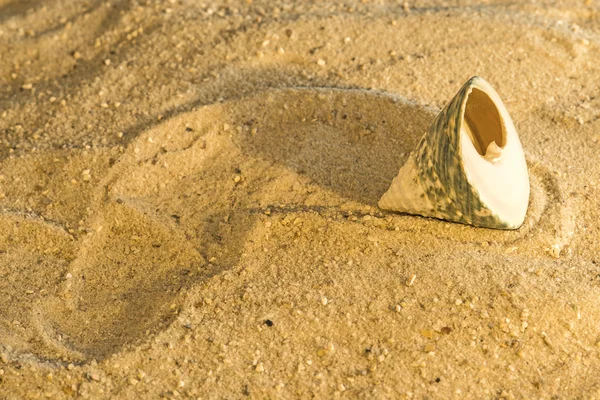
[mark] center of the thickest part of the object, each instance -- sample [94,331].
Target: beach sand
[188,201]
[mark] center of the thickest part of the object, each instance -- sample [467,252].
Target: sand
[188,201]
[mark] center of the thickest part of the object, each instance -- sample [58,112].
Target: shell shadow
[352,142]
[348,142]
[153,244]
[17,8]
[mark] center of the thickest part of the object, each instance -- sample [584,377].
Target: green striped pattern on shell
[439,161]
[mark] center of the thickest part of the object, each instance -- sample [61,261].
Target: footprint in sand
[178,207]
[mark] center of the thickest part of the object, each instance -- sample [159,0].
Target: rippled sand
[188,201]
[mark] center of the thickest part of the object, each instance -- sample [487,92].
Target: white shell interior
[493,157]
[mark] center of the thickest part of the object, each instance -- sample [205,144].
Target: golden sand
[188,201]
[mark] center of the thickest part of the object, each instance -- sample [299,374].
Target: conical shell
[468,168]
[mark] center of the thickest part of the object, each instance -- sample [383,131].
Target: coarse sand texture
[189,200]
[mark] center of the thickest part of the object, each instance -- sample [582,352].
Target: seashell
[468,168]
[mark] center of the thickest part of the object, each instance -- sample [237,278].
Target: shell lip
[478,83]
[506,195]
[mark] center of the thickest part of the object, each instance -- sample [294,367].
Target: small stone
[427,333]
[321,62]
[107,62]
[411,280]
[510,250]
[555,250]
[324,300]
[398,308]
[546,339]
[260,368]
[133,381]
[429,348]
[27,86]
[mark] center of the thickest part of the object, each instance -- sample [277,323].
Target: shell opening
[483,123]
